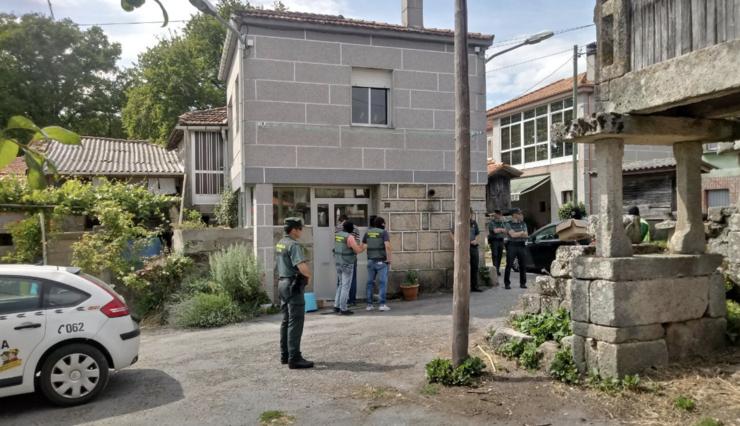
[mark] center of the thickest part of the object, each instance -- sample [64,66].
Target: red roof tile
[339,20]
[496,168]
[16,167]
[559,87]
[204,117]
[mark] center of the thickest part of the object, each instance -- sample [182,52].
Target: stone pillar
[611,241]
[689,234]
[263,235]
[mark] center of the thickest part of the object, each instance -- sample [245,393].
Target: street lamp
[205,7]
[533,39]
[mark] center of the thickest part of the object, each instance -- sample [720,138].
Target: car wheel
[515,265]
[73,375]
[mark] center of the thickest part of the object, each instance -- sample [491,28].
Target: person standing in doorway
[516,248]
[379,250]
[496,236]
[352,300]
[474,259]
[293,277]
[346,249]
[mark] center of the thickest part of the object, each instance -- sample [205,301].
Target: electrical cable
[522,38]
[570,58]
[526,61]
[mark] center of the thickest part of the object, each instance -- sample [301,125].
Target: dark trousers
[353,287]
[516,251]
[474,261]
[293,307]
[497,252]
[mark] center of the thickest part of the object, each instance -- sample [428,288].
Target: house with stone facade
[329,116]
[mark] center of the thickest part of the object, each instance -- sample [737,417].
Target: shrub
[205,310]
[238,273]
[227,210]
[511,349]
[733,320]
[412,278]
[530,358]
[192,219]
[160,278]
[684,403]
[563,367]
[569,210]
[440,370]
[26,236]
[544,326]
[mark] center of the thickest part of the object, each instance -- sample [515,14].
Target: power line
[522,38]
[548,76]
[526,61]
[130,23]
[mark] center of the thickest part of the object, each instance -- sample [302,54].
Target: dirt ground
[369,371]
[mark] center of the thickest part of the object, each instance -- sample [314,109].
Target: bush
[227,210]
[569,210]
[525,353]
[205,310]
[26,236]
[160,278]
[545,326]
[192,219]
[733,321]
[238,273]
[440,370]
[684,403]
[563,367]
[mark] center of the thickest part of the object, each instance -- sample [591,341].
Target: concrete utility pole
[461,288]
[575,115]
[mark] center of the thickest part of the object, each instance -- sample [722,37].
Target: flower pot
[410,292]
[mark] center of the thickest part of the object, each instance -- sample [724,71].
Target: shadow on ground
[360,366]
[128,391]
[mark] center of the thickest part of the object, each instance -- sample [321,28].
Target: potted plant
[410,286]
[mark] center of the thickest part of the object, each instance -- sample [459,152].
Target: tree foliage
[54,73]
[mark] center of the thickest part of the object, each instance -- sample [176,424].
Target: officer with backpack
[379,250]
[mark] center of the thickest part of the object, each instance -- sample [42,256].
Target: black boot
[300,363]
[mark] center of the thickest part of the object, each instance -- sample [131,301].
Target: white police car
[61,331]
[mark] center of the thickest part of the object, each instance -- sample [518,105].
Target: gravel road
[370,368]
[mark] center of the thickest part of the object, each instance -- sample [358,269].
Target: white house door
[327,213]
[208,173]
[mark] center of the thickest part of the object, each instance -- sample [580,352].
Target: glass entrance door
[327,213]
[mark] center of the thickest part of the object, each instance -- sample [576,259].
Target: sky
[506,19]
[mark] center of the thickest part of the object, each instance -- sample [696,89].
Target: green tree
[179,74]
[54,73]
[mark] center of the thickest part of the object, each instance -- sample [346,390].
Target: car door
[22,326]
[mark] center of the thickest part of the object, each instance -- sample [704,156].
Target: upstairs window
[370,97]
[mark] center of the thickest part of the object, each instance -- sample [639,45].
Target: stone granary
[666,75]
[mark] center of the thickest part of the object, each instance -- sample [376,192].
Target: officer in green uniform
[496,236]
[516,248]
[293,276]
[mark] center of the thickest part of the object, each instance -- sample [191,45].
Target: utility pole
[575,116]
[461,287]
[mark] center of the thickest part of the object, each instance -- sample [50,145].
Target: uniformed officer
[293,276]
[474,258]
[379,253]
[346,249]
[516,248]
[496,236]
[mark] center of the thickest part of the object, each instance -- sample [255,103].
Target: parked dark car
[542,246]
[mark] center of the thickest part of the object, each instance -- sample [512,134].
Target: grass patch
[429,389]
[563,367]
[275,417]
[684,403]
[525,353]
[708,421]
[440,370]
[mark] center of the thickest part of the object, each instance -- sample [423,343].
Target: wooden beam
[649,130]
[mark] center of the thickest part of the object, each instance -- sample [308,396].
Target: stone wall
[194,241]
[419,224]
[723,237]
[59,247]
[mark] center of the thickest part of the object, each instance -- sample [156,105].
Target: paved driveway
[231,375]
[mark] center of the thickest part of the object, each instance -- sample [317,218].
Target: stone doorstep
[695,338]
[640,267]
[634,303]
[640,333]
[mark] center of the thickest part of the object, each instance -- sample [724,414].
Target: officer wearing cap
[496,235]
[517,235]
[293,276]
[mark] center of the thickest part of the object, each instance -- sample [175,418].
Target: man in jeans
[346,249]
[352,301]
[379,249]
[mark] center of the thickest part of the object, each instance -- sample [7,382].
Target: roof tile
[557,88]
[204,117]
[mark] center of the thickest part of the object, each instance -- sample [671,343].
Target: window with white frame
[525,136]
[370,97]
[208,158]
[718,197]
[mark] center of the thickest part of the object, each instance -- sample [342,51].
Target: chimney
[412,13]
[591,62]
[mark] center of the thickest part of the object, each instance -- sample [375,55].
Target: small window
[516,157]
[718,198]
[543,206]
[528,114]
[62,296]
[369,106]
[19,295]
[566,196]
[528,132]
[556,106]
[505,138]
[541,110]
[516,136]
[291,202]
[505,121]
